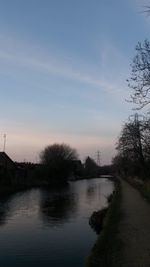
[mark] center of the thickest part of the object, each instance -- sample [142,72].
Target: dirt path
[134,229]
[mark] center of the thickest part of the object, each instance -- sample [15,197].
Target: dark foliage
[58,161]
[91,169]
[133,148]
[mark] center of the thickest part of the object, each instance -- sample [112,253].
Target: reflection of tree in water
[56,207]
[90,192]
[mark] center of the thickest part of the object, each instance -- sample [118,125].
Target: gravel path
[134,228]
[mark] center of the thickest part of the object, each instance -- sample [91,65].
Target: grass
[107,250]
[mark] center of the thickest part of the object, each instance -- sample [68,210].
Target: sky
[63,71]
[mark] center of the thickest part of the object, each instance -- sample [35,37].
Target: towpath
[134,228]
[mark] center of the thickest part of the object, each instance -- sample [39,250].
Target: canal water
[41,227]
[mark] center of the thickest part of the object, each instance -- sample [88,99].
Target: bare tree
[130,143]
[133,147]
[139,81]
[146,10]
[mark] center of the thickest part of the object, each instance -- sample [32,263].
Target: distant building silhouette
[7,169]
[6,163]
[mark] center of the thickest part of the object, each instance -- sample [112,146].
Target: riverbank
[107,250]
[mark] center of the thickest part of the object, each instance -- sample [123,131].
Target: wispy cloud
[52,66]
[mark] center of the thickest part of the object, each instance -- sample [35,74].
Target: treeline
[59,163]
[133,147]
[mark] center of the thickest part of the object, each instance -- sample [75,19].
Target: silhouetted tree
[134,147]
[139,81]
[57,160]
[90,168]
[130,142]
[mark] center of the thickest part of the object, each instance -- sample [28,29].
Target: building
[7,166]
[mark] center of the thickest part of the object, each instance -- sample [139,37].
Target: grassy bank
[107,250]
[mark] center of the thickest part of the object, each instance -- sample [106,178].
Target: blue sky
[63,71]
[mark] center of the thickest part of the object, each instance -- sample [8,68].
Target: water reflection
[90,192]
[56,207]
[4,210]
[41,227]
[18,204]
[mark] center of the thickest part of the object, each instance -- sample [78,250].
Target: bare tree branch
[139,82]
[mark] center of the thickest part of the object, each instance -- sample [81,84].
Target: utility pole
[4,142]
[137,133]
[135,118]
[98,158]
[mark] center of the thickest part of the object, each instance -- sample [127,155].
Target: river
[40,227]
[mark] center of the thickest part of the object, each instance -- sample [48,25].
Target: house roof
[5,157]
